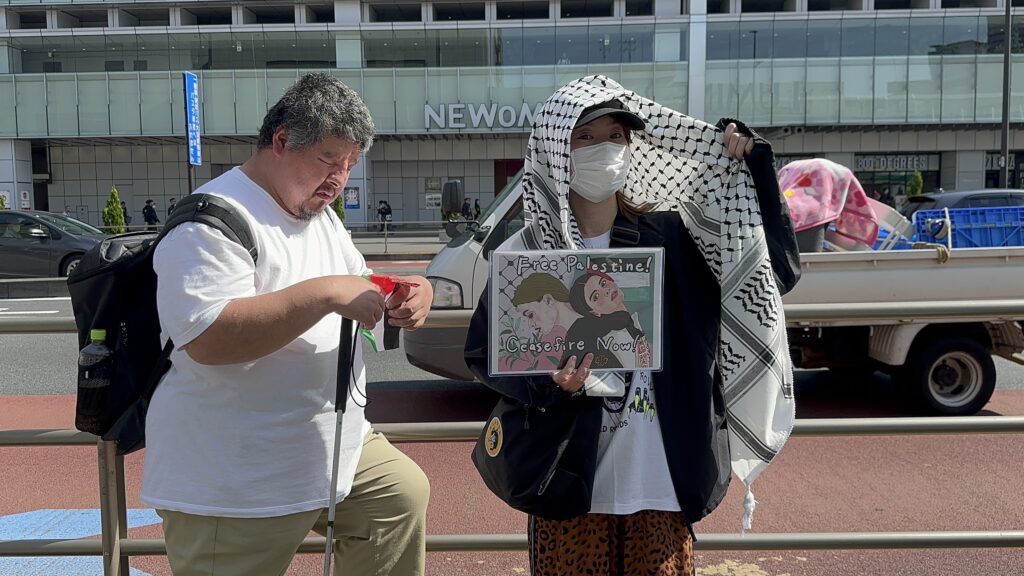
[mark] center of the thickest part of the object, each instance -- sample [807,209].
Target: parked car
[987,198]
[34,243]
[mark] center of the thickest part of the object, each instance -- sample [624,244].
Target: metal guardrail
[800,315]
[116,548]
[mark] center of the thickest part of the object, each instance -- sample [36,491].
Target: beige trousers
[380,528]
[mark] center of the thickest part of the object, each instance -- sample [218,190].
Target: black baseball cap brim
[612,108]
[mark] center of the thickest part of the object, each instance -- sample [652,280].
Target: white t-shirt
[632,470]
[253,439]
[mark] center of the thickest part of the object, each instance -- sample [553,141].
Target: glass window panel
[925,36]
[61,112]
[1017,89]
[890,89]
[508,46]
[638,43]
[789,39]
[124,104]
[279,50]
[186,52]
[153,50]
[721,89]
[960,35]
[638,78]
[31,109]
[250,101]
[52,54]
[753,6]
[467,47]
[671,85]
[90,54]
[756,40]
[587,8]
[605,44]
[958,84]
[93,108]
[222,52]
[442,86]
[822,88]
[924,89]
[474,89]
[218,102]
[755,95]
[31,55]
[412,49]
[8,122]
[538,84]
[856,90]
[444,12]
[279,81]
[155,102]
[508,87]
[379,95]
[571,42]
[858,37]
[789,91]
[892,36]
[671,41]
[989,98]
[723,41]
[522,10]
[824,38]
[377,48]
[412,85]
[639,7]
[539,46]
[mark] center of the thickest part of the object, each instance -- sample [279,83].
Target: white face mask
[599,171]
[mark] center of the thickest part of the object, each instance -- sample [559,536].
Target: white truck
[931,318]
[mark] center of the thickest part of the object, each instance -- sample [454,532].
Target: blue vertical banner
[195,153]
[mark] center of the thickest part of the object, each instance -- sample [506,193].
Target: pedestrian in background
[149,215]
[171,205]
[240,432]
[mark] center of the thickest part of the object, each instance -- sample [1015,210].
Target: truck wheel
[952,377]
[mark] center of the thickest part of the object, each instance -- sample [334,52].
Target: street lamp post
[1004,153]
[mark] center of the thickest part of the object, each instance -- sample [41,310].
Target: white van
[944,360]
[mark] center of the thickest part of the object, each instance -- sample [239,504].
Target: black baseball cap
[615,108]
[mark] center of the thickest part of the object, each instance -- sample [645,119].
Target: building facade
[94,94]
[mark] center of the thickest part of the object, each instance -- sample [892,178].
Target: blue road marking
[49,524]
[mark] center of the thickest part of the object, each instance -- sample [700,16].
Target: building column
[697,59]
[16,173]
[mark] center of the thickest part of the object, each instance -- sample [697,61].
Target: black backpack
[114,289]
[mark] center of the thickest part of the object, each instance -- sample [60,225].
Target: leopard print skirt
[648,543]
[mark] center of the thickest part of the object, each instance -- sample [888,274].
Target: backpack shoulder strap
[216,212]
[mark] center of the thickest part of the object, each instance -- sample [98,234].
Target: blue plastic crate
[972,227]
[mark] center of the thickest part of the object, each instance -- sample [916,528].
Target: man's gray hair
[319,106]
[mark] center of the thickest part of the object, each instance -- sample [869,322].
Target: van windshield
[501,197]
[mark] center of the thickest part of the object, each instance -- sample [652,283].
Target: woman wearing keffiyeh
[606,168]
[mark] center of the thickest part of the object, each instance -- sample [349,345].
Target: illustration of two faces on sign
[550,306]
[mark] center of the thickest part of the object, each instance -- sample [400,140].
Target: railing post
[113,512]
[386,236]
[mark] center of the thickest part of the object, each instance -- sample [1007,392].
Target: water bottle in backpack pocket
[95,384]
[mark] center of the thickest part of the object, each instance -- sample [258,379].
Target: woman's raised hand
[571,377]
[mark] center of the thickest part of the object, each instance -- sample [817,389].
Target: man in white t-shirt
[240,432]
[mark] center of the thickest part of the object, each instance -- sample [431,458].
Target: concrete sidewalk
[373,247]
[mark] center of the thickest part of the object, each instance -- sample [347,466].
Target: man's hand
[739,145]
[571,378]
[409,306]
[358,299]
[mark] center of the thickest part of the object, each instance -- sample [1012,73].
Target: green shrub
[113,216]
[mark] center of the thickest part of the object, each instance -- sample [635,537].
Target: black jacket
[691,407]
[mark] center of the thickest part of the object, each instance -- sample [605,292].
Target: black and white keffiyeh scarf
[680,163]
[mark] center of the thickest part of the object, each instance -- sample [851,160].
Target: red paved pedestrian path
[818,484]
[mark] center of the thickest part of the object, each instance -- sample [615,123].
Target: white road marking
[51,299]
[27,312]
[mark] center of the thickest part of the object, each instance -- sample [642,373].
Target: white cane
[340,400]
